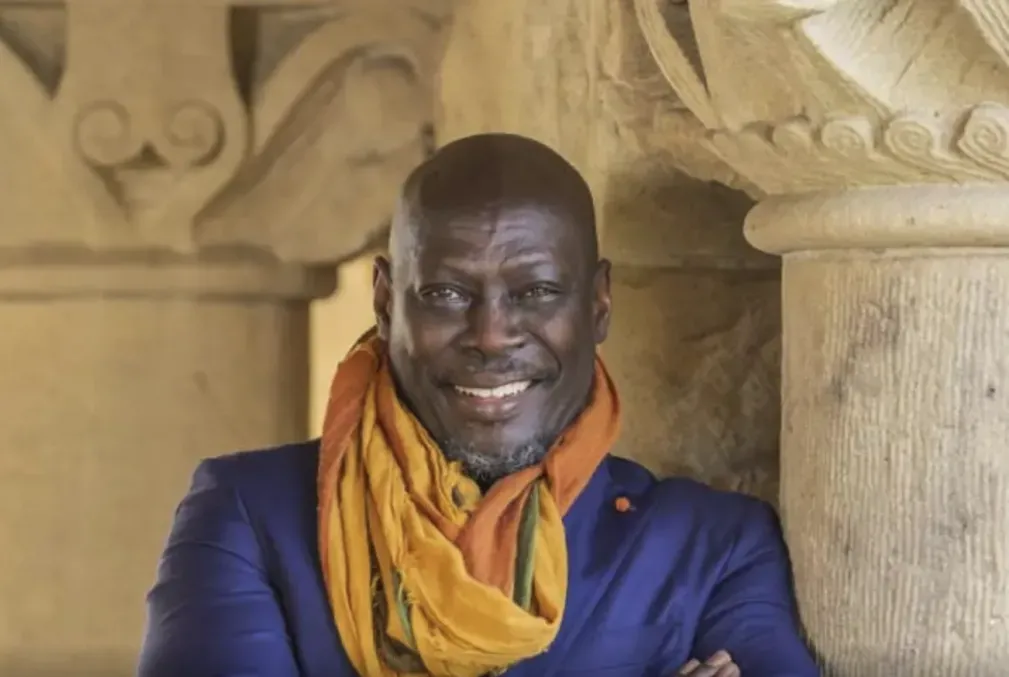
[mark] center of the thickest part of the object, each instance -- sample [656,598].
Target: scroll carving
[849,138]
[106,135]
[799,155]
[985,137]
[193,134]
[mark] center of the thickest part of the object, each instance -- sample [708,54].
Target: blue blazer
[686,572]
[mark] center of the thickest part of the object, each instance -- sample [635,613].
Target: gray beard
[485,469]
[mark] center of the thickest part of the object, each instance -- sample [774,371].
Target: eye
[539,292]
[444,295]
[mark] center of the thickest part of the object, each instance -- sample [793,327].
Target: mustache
[495,365]
[499,366]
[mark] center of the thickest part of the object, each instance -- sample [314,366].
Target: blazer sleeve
[752,611]
[212,612]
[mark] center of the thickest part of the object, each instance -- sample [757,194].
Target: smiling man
[460,515]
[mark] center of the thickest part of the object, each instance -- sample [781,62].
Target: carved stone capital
[182,128]
[814,95]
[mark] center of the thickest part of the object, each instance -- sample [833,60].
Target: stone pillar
[176,190]
[895,482]
[876,138]
[694,344]
[117,378]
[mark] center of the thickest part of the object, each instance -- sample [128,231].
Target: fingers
[719,665]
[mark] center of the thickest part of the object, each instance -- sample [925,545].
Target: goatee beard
[486,469]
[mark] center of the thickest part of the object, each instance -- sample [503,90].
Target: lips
[491,404]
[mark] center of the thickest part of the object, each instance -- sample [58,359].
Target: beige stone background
[189,190]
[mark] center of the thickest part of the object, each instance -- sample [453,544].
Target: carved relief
[800,156]
[319,121]
[816,94]
[162,132]
[189,134]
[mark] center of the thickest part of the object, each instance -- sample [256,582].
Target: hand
[719,665]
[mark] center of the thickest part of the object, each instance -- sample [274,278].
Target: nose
[493,329]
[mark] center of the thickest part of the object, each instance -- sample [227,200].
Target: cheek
[564,332]
[562,343]
[427,343]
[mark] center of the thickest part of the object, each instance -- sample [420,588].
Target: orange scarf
[425,575]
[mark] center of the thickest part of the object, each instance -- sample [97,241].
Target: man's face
[492,319]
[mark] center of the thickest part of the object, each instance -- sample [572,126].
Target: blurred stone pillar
[694,344]
[118,376]
[179,182]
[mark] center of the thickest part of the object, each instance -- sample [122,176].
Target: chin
[484,462]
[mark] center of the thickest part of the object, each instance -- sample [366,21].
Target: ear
[602,302]
[381,280]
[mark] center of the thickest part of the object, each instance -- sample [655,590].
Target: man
[460,515]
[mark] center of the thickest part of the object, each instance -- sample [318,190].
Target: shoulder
[682,539]
[266,470]
[275,487]
[720,519]
[674,495]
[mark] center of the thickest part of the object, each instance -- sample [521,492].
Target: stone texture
[895,487]
[108,405]
[695,353]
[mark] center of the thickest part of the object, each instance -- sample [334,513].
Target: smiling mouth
[497,393]
[491,405]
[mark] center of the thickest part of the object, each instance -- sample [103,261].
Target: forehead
[512,235]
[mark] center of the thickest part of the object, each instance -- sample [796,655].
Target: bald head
[488,173]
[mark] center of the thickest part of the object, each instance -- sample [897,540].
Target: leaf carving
[336,128]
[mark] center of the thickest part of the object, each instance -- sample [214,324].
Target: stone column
[876,139]
[694,344]
[176,191]
[895,482]
[117,378]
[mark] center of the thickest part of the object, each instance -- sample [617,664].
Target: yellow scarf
[424,575]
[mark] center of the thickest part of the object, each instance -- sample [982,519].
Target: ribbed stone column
[895,472]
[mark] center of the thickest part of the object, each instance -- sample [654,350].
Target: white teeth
[507,390]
